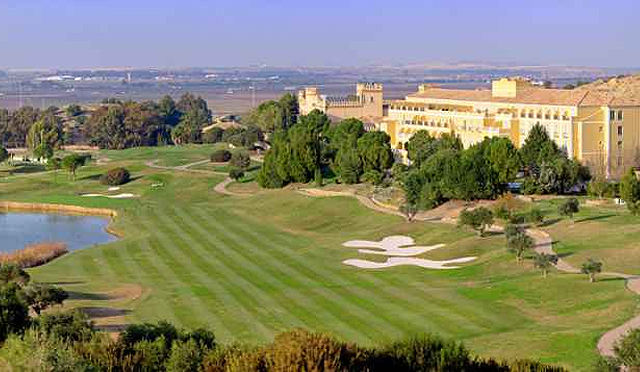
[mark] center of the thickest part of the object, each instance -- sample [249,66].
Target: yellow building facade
[599,129]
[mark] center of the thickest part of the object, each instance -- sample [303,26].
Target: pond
[18,230]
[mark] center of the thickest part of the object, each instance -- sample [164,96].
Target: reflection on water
[20,229]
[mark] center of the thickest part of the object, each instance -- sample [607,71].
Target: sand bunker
[400,261]
[391,246]
[119,196]
[114,188]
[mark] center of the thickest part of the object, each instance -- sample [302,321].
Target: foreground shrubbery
[115,177]
[34,255]
[220,156]
[162,347]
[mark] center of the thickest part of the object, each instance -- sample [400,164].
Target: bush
[529,186]
[68,326]
[534,215]
[220,156]
[213,135]
[185,356]
[478,219]
[373,177]
[236,173]
[240,159]
[115,177]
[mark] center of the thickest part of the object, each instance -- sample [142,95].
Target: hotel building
[596,127]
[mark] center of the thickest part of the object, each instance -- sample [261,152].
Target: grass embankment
[252,267]
[34,255]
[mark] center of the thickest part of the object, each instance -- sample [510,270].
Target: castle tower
[370,95]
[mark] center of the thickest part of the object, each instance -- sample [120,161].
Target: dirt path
[221,188]
[184,168]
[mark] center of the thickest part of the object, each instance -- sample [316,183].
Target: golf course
[252,263]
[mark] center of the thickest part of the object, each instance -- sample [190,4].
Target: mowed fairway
[251,267]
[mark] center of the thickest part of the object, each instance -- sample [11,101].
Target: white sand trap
[400,261]
[114,188]
[390,242]
[119,196]
[391,246]
[403,252]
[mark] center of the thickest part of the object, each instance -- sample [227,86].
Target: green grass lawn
[250,267]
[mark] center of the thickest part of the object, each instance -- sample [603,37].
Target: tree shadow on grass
[103,312]
[62,283]
[73,295]
[595,218]
[610,279]
[93,177]
[550,222]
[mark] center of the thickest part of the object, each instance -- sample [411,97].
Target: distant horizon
[427,64]
[73,34]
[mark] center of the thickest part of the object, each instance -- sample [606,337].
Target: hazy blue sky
[141,33]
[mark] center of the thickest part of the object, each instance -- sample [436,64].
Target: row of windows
[612,115]
[539,115]
[431,123]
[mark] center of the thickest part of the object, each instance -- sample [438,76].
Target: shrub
[373,177]
[220,156]
[115,177]
[185,356]
[68,326]
[478,219]
[534,215]
[240,159]
[213,135]
[529,186]
[236,173]
[36,351]
[502,212]
[426,353]
[569,207]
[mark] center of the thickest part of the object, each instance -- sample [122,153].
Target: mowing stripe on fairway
[307,304]
[185,257]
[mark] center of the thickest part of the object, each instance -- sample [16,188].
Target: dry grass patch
[34,255]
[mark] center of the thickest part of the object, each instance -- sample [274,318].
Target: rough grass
[34,255]
[251,267]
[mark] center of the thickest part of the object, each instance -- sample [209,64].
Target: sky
[286,33]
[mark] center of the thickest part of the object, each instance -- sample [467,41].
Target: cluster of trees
[118,125]
[15,125]
[113,125]
[273,116]
[549,169]
[441,169]
[245,136]
[18,295]
[313,147]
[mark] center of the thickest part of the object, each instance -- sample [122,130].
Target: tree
[240,159]
[537,148]
[544,262]
[12,273]
[409,210]
[350,165]
[503,158]
[4,154]
[73,110]
[630,191]
[168,111]
[14,313]
[627,351]
[591,267]
[478,219]
[375,152]
[72,162]
[569,207]
[519,244]
[213,135]
[39,296]
[45,135]
[290,110]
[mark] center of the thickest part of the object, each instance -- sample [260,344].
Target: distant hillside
[626,86]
